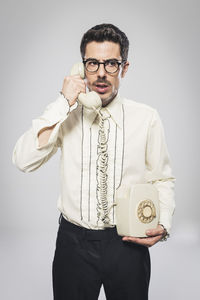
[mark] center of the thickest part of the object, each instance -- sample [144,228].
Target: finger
[136,240]
[79,79]
[82,90]
[142,240]
[76,76]
[154,231]
[148,242]
[81,85]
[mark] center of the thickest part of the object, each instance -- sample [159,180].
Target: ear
[125,69]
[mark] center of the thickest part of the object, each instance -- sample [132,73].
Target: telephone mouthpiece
[90,99]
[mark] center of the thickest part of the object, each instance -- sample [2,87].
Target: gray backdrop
[39,43]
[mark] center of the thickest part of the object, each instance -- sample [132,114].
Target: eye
[92,63]
[111,63]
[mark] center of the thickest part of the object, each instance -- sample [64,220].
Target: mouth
[101,88]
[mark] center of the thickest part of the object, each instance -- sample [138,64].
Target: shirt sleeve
[158,170]
[27,154]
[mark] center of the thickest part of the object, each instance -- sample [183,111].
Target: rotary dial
[146,211]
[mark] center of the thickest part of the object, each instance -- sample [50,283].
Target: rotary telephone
[90,99]
[137,209]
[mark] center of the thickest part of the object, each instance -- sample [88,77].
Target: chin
[107,99]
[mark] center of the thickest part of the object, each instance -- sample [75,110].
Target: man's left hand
[154,235]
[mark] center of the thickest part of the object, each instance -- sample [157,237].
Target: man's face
[102,51]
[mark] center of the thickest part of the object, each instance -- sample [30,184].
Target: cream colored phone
[91,99]
[137,209]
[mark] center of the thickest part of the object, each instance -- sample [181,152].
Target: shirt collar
[114,108]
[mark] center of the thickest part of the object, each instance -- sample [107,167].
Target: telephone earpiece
[91,99]
[78,69]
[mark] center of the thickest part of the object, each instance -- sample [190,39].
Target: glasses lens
[111,66]
[91,65]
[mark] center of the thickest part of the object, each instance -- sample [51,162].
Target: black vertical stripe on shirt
[89,175]
[114,168]
[82,137]
[122,164]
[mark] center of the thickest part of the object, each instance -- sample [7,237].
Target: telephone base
[137,209]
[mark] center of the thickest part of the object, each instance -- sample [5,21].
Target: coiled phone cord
[102,165]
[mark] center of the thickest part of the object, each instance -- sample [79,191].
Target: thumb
[154,231]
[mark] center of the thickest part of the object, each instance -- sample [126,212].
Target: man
[98,156]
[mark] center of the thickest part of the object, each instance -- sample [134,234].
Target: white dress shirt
[137,153]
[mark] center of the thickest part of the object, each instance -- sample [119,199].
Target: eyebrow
[92,58]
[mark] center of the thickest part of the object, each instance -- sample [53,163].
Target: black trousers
[85,259]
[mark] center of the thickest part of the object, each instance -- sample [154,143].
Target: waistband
[90,234]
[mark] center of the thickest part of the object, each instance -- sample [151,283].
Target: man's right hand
[72,87]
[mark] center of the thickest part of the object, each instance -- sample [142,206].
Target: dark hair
[106,32]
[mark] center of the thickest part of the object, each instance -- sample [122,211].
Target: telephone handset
[91,99]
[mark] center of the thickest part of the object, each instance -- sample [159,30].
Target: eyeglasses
[110,65]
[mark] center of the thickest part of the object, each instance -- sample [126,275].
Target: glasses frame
[102,63]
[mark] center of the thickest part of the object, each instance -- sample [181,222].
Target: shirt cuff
[165,220]
[55,113]
[72,107]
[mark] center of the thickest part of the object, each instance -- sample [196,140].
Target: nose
[101,71]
